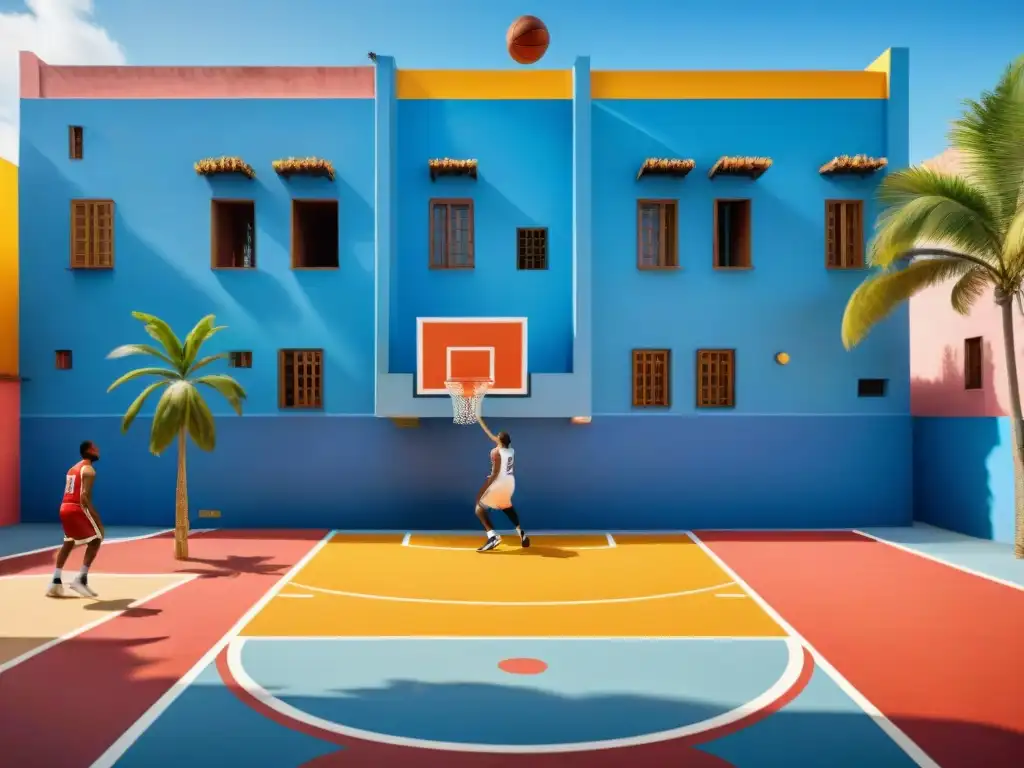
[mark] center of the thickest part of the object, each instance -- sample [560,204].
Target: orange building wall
[10,392]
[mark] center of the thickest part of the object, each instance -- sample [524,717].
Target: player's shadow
[535,551]
[122,604]
[233,566]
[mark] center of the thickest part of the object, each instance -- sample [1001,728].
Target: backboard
[472,347]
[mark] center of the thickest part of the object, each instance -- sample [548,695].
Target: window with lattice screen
[844,234]
[716,378]
[657,239]
[301,378]
[651,378]
[240,359]
[532,248]
[451,234]
[92,234]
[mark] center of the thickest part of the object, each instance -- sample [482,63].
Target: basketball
[527,40]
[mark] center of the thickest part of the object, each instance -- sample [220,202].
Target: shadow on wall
[953,455]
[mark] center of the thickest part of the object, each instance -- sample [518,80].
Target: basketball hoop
[467,398]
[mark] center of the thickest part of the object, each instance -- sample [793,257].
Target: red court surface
[926,655]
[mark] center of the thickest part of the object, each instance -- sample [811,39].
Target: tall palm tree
[967,228]
[181,409]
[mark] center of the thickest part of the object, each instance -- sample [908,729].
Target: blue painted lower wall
[629,472]
[963,475]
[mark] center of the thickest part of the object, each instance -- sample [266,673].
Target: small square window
[532,248]
[240,359]
[872,387]
[63,359]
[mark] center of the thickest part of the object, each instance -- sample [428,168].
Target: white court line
[116,750]
[405,539]
[11,663]
[941,561]
[789,678]
[904,742]
[517,638]
[611,540]
[510,604]
[107,542]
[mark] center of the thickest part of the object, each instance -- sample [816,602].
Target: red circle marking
[522,666]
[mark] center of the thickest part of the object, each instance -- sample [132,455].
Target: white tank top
[506,462]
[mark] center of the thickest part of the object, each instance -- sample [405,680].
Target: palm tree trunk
[1016,424]
[181,505]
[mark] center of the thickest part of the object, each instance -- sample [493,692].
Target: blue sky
[956,50]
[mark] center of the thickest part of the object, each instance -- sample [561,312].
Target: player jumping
[497,491]
[82,525]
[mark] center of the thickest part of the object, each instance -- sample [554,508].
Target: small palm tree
[968,228]
[181,409]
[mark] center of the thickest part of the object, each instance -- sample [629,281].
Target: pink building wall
[937,335]
[10,443]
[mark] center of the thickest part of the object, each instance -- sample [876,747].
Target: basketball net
[467,398]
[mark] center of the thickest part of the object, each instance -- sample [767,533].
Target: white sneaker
[83,589]
[56,589]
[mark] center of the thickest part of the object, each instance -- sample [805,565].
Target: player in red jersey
[82,525]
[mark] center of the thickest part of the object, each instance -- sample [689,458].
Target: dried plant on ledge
[740,166]
[446,166]
[666,166]
[212,166]
[304,166]
[853,164]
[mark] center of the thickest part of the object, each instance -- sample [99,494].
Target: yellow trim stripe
[737,85]
[483,84]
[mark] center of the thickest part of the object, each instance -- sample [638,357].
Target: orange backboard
[471,347]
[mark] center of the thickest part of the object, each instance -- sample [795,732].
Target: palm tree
[968,228]
[181,409]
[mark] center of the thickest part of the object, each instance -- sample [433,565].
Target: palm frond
[230,389]
[202,331]
[201,426]
[136,406]
[880,294]
[921,206]
[989,135]
[207,360]
[1013,242]
[968,289]
[162,332]
[139,372]
[170,417]
[127,350]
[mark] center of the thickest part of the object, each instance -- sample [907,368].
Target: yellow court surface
[588,585]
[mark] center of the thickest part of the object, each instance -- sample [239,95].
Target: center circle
[522,666]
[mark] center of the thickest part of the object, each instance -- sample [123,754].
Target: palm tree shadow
[122,604]
[233,566]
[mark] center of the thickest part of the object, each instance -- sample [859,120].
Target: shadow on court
[233,566]
[121,604]
[535,551]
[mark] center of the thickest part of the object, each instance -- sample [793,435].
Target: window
[240,359]
[844,234]
[92,234]
[872,387]
[451,234]
[75,142]
[651,378]
[716,378]
[972,364]
[532,248]
[656,234]
[63,359]
[314,234]
[301,378]
[232,234]
[732,234]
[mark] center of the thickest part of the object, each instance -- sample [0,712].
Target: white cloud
[58,32]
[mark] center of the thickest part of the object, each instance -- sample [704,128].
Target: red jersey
[73,488]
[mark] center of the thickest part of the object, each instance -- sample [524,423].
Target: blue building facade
[799,446]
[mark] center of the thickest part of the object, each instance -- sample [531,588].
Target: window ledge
[316,269]
[676,268]
[232,269]
[734,269]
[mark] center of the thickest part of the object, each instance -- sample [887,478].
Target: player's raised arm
[487,431]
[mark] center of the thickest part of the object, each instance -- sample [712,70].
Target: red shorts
[79,526]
